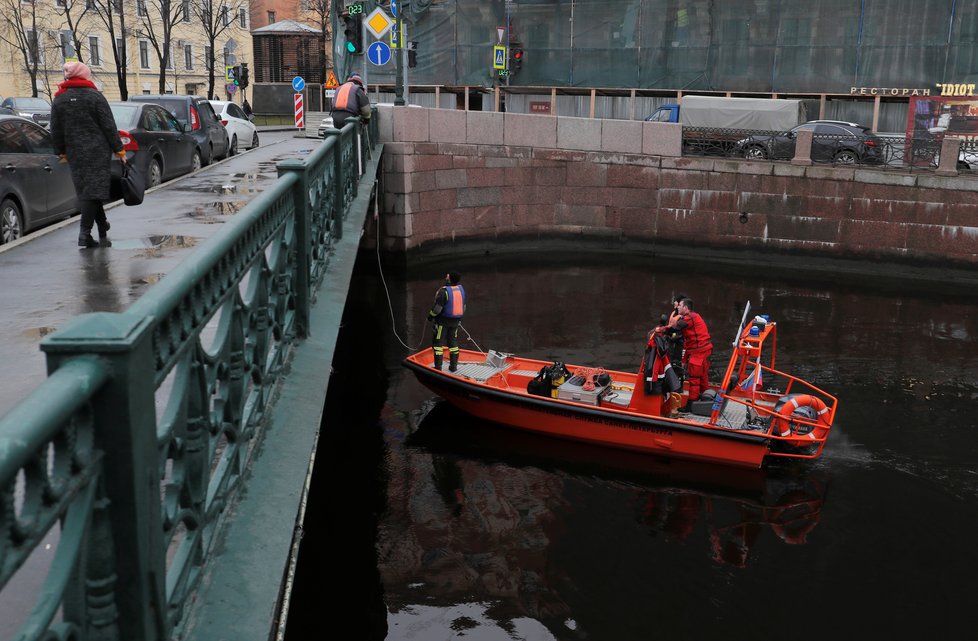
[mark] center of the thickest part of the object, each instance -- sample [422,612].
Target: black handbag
[133,185]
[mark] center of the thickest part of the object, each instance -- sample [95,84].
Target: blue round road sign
[298,83]
[379,53]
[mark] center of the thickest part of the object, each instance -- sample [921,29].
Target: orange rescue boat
[754,414]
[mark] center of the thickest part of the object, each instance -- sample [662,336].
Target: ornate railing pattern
[141,435]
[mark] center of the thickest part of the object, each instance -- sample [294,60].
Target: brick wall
[452,176]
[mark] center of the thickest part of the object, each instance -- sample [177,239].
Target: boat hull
[604,426]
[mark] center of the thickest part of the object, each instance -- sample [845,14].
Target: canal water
[427,524]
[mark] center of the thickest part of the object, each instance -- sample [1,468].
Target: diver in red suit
[697,347]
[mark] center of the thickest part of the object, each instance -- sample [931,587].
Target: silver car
[35,188]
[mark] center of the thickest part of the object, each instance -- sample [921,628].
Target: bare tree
[111,15]
[216,20]
[319,11]
[19,17]
[73,13]
[157,19]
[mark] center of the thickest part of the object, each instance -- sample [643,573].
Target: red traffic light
[518,54]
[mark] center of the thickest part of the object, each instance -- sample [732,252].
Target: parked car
[212,139]
[832,141]
[35,188]
[243,132]
[37,109]
[156,143]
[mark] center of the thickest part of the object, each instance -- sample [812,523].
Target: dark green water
[426,524]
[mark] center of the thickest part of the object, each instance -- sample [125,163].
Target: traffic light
[353,32]
[517,60]
[242,76]
[412,51]
[237,75]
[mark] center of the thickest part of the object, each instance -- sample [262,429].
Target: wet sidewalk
[49,279]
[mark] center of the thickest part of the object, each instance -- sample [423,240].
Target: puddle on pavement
[154,245]
[212,211]
[148,279]
[37,333]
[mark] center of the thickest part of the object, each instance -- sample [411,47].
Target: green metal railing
[139,438]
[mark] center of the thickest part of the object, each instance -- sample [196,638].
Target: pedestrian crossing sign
[499,57]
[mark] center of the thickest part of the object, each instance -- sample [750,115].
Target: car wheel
[233,148]
[846,157]
[154,173]
[755,152]
[195,162]
[11,222]
[210,156]
[254,140]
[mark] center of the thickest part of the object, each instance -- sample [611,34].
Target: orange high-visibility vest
[455,307]
[343,97]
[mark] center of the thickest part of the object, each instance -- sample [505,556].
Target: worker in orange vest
[446,316]
[350,101]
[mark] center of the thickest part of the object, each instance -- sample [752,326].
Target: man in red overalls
[698,348]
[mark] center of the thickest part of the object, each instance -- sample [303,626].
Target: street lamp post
[399,80]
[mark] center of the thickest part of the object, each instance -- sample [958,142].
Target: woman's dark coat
[84,129]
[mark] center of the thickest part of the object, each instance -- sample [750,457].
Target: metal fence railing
[881,151]
[139,438]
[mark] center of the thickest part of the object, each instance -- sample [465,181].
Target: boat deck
[734,415]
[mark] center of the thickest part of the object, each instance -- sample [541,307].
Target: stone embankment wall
[454,176]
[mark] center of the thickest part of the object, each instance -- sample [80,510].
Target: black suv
[202,123]
[845,143]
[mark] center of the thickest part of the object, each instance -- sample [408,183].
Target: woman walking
[85,136]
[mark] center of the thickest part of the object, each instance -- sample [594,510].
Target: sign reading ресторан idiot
[943,89]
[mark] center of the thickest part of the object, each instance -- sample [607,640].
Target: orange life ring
[782,423]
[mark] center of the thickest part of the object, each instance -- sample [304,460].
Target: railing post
[303,242]
[803,147]
[340,187]
[124,412]
[950,150]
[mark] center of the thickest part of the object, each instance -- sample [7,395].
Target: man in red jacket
[697,347]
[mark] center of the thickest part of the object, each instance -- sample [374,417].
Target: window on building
[34,51]
[144,54]
[243,18]
[141,8]
[67,45]
[89,4]
[117,6]
[94,51]
[186,10]
[226,56]
[225,15]
[120,47]
[188,56]
[62,3]
[271,17]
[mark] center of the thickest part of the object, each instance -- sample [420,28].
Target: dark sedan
[155,142]
[35,188]
[845,143]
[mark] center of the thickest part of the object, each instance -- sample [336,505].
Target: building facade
[124,44]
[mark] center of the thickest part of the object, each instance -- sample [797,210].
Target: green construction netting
[785,46]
